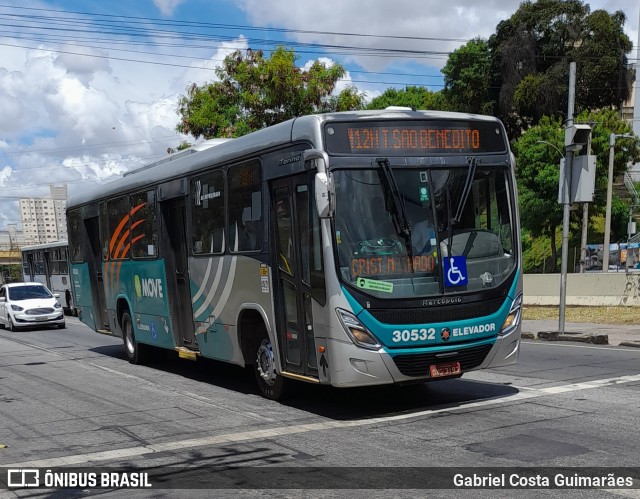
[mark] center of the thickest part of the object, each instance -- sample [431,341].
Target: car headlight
[57,305]
[513,318]
[16,308]
[356,331]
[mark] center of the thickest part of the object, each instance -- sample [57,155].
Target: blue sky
[88,89]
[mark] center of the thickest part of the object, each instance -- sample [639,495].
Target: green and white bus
[347,249]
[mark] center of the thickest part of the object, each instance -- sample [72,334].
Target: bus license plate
[448,369]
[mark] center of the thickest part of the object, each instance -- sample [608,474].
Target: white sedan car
[27,304]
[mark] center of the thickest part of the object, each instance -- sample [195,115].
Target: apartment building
[44,220]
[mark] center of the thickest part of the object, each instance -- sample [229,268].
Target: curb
[594,339]
[635,344]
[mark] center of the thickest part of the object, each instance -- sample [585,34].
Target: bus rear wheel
[272,386]
[133,349]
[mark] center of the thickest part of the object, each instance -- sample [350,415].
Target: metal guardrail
[631,188]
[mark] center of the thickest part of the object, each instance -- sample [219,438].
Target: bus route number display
[415,138]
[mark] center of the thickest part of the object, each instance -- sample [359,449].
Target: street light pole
[566,199]
[607,217]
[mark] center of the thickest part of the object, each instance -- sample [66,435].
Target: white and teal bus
[346,249]
[48,264]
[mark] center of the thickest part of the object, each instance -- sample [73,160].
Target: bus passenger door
[289,216]
[174,252]
[94,259]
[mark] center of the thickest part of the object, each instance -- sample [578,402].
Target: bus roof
[296,129]
[35,247]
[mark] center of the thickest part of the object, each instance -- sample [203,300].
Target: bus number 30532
[414,334]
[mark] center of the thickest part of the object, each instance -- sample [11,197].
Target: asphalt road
[69,398]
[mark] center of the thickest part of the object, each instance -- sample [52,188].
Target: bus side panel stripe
[204,282]
[212,289]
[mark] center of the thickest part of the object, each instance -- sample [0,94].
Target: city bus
[346,249]
[48,264]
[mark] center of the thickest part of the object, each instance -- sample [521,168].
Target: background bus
[349,249]
[48,264]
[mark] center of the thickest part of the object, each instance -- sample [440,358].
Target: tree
[466,78]
[530,55]
[537,174]
[411,96]
[254,92]
[538,152]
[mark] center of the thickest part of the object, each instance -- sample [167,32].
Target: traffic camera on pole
[580,185]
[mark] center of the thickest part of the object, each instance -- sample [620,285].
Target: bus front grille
[433,315]
[418,364]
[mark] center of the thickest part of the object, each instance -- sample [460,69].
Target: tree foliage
[254,91]
[466,78]
[530,55]
[411,96]
[538,152]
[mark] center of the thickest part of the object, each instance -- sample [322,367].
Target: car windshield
[394,229]
[17,293]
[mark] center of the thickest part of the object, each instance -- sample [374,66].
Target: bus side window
[144,227]
[207,213]
[245,207]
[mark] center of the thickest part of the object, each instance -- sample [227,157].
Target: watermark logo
[23,478]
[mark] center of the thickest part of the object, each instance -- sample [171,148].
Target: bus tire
[132,349]
[272,386]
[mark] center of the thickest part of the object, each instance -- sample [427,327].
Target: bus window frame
[125,228]
[155,235]
[257,161]
[190,225]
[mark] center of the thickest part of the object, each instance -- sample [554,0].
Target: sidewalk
[585,332]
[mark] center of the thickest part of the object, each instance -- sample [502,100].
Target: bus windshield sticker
[373,285]
[455,271]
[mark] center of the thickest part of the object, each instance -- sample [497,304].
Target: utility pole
[607,216]
[583,240]
[567,196]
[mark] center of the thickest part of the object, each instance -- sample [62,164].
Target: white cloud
[462,19]
[167,6]
[5,173]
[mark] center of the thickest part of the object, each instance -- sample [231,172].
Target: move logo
[148,287]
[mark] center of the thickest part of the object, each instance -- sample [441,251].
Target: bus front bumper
[361,367]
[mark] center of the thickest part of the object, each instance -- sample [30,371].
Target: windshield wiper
[398,207]
[399,211]
[468,183]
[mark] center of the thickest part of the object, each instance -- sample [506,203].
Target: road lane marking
[246,436]
[608,348]
[151,385]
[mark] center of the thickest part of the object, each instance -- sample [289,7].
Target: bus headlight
[513,319]
[359,334]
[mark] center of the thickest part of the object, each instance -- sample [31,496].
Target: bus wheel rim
[129,340]
[266,363]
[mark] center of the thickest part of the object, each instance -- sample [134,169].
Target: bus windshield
[392,235]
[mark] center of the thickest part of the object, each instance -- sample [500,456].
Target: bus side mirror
[323,185]
[323,197]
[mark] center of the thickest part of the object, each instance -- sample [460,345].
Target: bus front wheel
[133,349]
[272,386]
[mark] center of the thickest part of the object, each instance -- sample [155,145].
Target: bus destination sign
[415,138]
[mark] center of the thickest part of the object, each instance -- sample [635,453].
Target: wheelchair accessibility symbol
[455,271]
